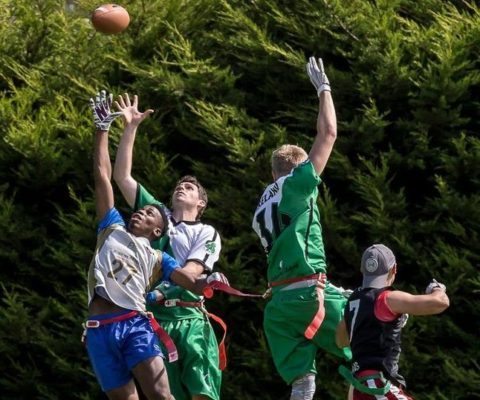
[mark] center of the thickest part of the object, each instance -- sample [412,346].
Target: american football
[110,19]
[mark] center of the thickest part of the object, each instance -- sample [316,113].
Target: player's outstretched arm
[102,167]
[434,301]
[187,278]
[326,119]
[122,172]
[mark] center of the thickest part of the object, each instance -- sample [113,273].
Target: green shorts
[286,317]
[196,371]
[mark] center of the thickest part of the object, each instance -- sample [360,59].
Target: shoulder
[210,234]
[385,309]
[208,228]
[305,168]
[111,219]
[302,178]
[198,226]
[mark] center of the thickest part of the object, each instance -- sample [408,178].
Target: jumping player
[196,246]
[301,316]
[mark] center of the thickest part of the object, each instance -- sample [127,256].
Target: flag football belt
[319,316]
[159,331]
[358,380]
[222,352]
[296,279]
[179,303]
[311,329]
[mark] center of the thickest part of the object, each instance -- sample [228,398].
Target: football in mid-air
[110,19]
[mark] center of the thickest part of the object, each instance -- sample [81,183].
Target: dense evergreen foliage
[228,84]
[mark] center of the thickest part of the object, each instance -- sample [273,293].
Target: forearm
[102,173]
[122,172]
[326,133]
[341,335]
[123,162]
[327,118]
[102,167]
[190,277]
[189,281]
[424,304]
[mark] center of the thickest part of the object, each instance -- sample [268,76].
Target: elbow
[331,132]
[118,177]
[100,175]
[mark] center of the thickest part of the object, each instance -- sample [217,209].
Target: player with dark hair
[374,317]
[120,336]
[196,246]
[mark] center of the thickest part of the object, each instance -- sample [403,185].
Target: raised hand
[129,110]
[435,285]
[102,115]
[317,75]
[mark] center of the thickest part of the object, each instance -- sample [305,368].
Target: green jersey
[185,241]
[287,220]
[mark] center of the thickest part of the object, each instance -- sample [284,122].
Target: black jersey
[375,344]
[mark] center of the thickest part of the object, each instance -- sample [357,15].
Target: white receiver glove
[317,75]
[102,116]
[434,285]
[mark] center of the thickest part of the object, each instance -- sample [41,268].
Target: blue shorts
[114,349]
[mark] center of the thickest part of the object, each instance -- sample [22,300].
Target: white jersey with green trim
[123,268]
[194,241]
[185,241]
[287,221]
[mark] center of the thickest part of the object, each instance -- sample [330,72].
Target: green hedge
[228,84]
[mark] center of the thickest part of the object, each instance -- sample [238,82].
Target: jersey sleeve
[303,179]
[382,310]
[112,217]
[144,198]
[206,249]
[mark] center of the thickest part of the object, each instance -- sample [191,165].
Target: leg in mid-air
[125,392]
[152,377]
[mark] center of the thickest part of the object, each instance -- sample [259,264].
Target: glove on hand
[433,285]
[102,116]
[218,276]
[317,75]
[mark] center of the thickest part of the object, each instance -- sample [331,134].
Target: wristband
[169,264]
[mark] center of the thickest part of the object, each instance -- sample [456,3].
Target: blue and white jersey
[124,266]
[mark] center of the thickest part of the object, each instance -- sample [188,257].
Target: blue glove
[169,264]
[153,297]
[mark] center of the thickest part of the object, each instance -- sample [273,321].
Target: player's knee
[159,392]
[303,388]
